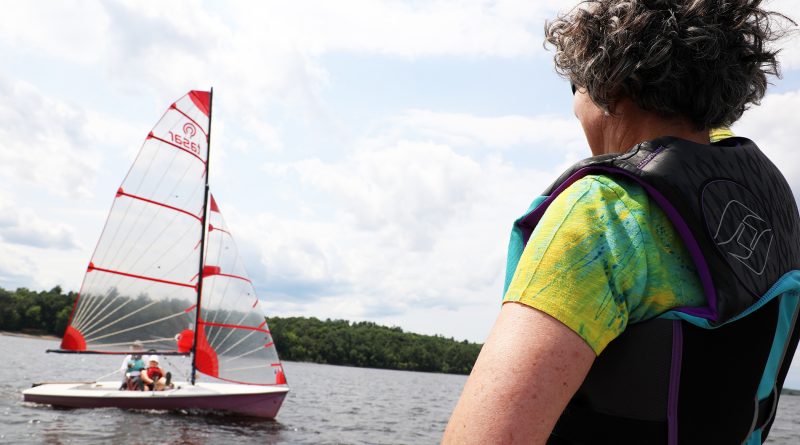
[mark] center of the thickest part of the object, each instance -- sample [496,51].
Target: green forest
[335,342]
[366,344]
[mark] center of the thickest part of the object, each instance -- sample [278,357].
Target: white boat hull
[249,400]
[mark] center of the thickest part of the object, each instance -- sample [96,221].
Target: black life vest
[709,375]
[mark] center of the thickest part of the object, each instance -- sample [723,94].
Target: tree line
[335,342]
[366,344]
[43,312]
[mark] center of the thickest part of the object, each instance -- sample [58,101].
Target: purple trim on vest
[674,382]
[708,313]
[650,157]
[537,213]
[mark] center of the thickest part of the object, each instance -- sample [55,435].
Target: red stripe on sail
[142,277]
[175,107]
[210,271]
[212,228]
[152,136]
[214,207]
[121,192]
[235,276]
[269,344]
[263,323]
[190,309]
[202,100]
[255,303]
[233,326]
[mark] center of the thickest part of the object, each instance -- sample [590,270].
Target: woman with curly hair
[652,291]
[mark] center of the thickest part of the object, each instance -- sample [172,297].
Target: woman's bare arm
[529,368]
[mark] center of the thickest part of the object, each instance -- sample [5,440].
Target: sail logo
[189,130]
[185,140]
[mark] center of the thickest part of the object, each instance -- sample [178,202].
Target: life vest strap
[766,410]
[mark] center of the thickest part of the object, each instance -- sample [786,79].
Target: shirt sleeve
[604,256]
[583,261]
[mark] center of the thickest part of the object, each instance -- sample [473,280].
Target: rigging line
[127,343]
[213,287]
[237,259]
[245,368]
[92,322]
[177,369]
[142,277]
[136,188]
[237,343]
[175,107]
[165,227]
[141,198]
[135,327]
[260,348]
[144,290]
[129,203]
[129,314]
[224,293]
[148,248]
[97,298]
[83,300]
[238,326]
[139,155]
[170,248]
[147,168]
[89,315]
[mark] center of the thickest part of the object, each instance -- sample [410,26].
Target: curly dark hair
[705,60]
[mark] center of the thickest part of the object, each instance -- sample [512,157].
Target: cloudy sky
[369,155]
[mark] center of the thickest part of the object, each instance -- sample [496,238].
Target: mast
[202,261]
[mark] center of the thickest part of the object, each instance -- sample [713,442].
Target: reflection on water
[327,405]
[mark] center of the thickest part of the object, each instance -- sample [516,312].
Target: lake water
[327,405]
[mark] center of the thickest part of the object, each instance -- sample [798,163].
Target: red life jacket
[154,372]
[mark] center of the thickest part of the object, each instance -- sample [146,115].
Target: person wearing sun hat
[154,377]
[132,366]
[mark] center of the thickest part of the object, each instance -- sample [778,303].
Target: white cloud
[72,30]
[773,127]
[42,141]
[417,225]
[538,133]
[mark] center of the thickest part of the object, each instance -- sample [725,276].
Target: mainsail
[143,279]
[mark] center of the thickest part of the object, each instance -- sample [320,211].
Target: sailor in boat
[652,290]
[131,368]
[154,377]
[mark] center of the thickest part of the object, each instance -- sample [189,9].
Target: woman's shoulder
[601,192]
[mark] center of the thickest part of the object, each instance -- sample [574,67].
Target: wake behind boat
[165,264]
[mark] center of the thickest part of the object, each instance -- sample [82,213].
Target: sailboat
[167,274]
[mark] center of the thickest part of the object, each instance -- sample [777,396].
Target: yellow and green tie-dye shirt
[603,256]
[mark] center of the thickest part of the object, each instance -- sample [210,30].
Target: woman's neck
[629,125]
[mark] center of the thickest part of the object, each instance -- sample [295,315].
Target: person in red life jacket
[652,291]
[154,377]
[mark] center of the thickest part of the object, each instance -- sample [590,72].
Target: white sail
[142,278]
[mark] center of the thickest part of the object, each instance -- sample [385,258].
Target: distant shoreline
[27,335]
